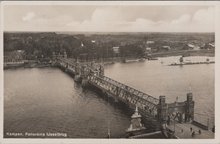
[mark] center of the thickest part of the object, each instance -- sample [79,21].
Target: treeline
[37,45]
[98,46]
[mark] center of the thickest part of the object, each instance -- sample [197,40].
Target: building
[148,49]
[212,45]
[150,42]
[194,47]
[166,47]
[116,50]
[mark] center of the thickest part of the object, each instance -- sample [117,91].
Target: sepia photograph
[108,70]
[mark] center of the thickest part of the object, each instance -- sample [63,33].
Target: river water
[157,78]
[41,100]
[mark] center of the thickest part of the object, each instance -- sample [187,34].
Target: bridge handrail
[132,90]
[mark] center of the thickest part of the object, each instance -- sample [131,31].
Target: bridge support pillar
[162,110]
[84,82]
[189,108]
[78,78]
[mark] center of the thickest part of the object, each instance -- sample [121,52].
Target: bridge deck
[182,130]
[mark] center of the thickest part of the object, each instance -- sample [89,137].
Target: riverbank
[210,53]
[154,56]
[26,65]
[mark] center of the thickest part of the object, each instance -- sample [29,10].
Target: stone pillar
[84,71]
[101,70]
[162,109]
[189,108]
[77,68]
[84,82]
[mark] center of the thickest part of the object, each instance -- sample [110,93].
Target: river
[41,100]
[157,78]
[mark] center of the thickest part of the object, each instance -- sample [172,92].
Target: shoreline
[27,66]
[109,61]
[210,53]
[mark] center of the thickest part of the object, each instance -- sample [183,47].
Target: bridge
[176,120]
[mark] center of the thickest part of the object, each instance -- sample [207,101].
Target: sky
[109,18]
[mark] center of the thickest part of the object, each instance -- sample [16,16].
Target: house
[150,42]
[148,49]
[166,47]
[194,47]
[212,45]
[116,50]
[208,46]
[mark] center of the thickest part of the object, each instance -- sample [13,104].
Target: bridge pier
[85,82]
[177,110]
[189,108]
[162,110]
[78,78]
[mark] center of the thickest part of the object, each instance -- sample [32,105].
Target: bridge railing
[205,120]
[133,91]
[146,104]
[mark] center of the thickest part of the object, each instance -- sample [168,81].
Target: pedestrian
[193,134]
[213,129]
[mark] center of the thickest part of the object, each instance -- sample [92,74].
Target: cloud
[29,16]
[184,19]
[102,19]
[50,23]
[113,20]
[201,21]
[73,23]
[106,15]
[204,19]
[204,15]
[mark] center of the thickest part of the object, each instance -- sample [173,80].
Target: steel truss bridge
[91,73]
